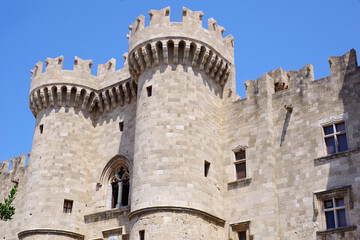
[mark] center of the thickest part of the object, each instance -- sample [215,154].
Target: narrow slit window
[41,127]
[121,126]
[240,164]
[206,168]
[142,234]
[149,91]
[68,204]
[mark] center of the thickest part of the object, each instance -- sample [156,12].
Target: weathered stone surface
[171,108]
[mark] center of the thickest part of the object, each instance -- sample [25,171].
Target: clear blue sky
[268,34]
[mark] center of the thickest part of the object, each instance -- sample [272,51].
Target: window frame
[241,227]
[240,161]
[334,135]
[68,206]
[332,194]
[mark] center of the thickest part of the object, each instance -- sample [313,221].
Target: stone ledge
[178,209]
[240,181]
[105,215]
[336,230]
[336,155]
[51,232]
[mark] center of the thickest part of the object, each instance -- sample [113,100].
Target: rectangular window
[334,210]
[121,126]
[335,138]
[335,206]
[68,204]
[206,168]
[242,235]
[240,164]
[241,231]
[41,127]
[142,234]
[149,91]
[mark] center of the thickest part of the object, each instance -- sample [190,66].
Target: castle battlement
[16,171]
[190,29]
[78,88]
[186,43]
[279,79]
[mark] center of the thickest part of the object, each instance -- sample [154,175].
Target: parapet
[279,80]
[78,88]
[16,163]
[190,28]
[186,43]
[346,62]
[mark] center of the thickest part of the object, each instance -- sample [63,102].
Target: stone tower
[163,149]
[187,67]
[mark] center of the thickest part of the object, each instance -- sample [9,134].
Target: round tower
[183,73]
[62,102]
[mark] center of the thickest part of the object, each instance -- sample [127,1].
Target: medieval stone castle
[164,149]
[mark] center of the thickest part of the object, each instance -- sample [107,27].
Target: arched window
[116,175]
[120,186]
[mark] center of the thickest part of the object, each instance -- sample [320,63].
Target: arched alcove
[116,179]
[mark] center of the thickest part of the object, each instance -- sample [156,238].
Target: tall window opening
[120,186]
[142,234]
[206,168]
[335,138]
[240,164]
[68,204]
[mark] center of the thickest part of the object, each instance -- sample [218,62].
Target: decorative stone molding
[217,220]
[73,235]
[106,215]
[82,97]
[327,158]
[185,51]
[336,230]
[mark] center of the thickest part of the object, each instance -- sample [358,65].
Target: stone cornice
[216,219]
[177,50]
[50,232]
[79,96]
[105,215]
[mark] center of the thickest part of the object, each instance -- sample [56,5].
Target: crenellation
[281,79]
[106,68]
[54,64]
[4,166]
[346,62]
[137,26]
[215,29]
[37,69]
[229,41]
[160,17]
[82,65]
[193,18]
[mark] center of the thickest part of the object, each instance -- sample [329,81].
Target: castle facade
[164,149]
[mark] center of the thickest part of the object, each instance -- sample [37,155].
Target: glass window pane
[330,221]
[328,204]
[240,155]
[339,202]
[242,235]
[330,145]
[342,143]
[328,130]
[341,218]
[340,127]
[240,171]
